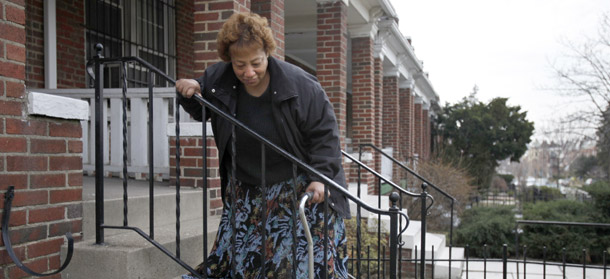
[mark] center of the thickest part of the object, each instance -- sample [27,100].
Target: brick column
[391,118]
[35,44]
[332,56]
[71,38]
[363,98]
[426,134]
[404,123]
[40,156]
[273,10]
[378,79]
[410,111]
[191,166]
[209,16]
[184,39]
[391,113]
[418,126]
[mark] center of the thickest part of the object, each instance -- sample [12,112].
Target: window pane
[137,27]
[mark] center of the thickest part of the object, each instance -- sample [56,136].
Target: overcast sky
[505,47]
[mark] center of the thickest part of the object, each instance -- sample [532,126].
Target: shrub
[600,192]
[540,193]
[367,239]
[573,238]
[486,225]
[447,177]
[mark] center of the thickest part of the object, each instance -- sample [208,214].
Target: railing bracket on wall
[6,214]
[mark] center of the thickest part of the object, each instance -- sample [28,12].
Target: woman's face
[250,66]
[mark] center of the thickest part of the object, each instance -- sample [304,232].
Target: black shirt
[255,113]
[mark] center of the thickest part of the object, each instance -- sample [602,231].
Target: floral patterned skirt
[280,260]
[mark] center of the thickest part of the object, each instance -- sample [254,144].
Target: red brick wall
[391,119]
[184,39]
[405,121]
[426,135]
[209,15]
[71,44]
[391,116]
[418,126]
[332,57]
[378,74]
[273,10]
[191,168]
[41,157]
[34,44]
[411,138]
[43,160]
[70,39]
[363,98]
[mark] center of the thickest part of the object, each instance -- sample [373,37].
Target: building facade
[380,92]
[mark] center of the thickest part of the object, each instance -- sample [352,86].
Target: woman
[286,105]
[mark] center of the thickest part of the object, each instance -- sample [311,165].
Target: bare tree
[584,72]
[563,149]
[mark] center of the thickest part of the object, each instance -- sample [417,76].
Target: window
[143,28]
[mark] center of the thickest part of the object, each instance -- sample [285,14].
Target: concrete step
[412,235]
[441,268]
[434,242]
[384,220]
[191,205]
[371,200]
[128,255]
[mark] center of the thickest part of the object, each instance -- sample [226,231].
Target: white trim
[406,83]
[363,30]
[391,72]
[56,106]
[50,44]
[346,2]
[189,129]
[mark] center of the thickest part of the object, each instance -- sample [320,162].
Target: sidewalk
[533,270]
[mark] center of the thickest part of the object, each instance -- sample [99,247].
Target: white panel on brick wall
[56,106]
[189,129]
[386,164]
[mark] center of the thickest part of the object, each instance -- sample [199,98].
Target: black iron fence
[97,70]
[425,185]
[388,245]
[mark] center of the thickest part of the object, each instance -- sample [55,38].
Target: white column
[138,141]
[84,124]
[160,120]
[116,133]
[50,45]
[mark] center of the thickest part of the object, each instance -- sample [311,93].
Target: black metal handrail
[424,185]
[95,69]
[6,215]
[401,191]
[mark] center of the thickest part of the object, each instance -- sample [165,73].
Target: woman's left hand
[317,188]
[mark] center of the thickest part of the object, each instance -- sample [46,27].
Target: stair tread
[164,235]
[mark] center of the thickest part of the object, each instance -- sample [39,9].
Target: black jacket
[302,112]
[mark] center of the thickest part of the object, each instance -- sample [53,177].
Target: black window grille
[143,28]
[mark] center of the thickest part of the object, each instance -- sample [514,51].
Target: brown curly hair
[244,30]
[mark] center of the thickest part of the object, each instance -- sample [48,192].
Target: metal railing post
[99,146]
[393,235]
[424,212]
[504,260]
[451,238]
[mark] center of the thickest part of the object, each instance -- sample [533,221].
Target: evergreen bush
[573,238]
[486,225]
